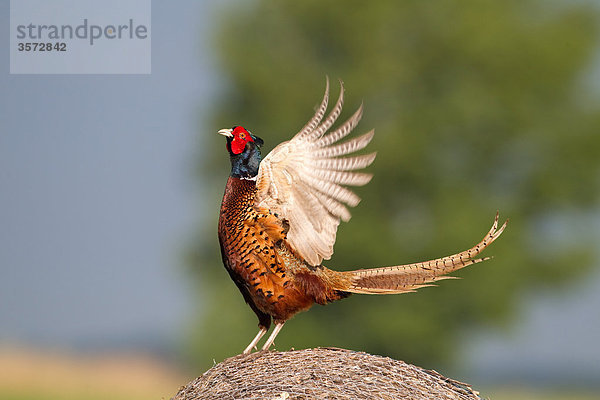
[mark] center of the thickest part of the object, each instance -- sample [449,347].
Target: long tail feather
[410,277]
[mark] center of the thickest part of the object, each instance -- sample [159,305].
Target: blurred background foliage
[483,107]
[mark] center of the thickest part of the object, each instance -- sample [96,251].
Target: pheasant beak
[226,132]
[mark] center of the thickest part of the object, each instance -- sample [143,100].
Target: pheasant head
[244,152]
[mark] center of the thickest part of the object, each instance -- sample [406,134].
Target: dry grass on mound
[322,373]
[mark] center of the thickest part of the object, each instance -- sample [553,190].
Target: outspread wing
[302,180]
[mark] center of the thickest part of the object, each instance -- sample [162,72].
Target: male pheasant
[279,219]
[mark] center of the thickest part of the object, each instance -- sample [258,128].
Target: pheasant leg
[271,339]
[254,341]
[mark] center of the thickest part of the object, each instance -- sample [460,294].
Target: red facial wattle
[240,138]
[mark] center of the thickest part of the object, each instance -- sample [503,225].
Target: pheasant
[279,218]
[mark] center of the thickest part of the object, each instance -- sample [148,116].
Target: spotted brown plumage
[253,253]
[279,219]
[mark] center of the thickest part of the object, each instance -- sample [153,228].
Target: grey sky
[97,202]
[96,197]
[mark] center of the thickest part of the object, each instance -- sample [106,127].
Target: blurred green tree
[477,106]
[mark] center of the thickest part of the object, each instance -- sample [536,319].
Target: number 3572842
[35,46]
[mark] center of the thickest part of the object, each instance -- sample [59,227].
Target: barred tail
[410,277]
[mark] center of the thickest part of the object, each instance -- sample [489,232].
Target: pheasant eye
[242,135]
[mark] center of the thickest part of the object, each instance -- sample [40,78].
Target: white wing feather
[300,180]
